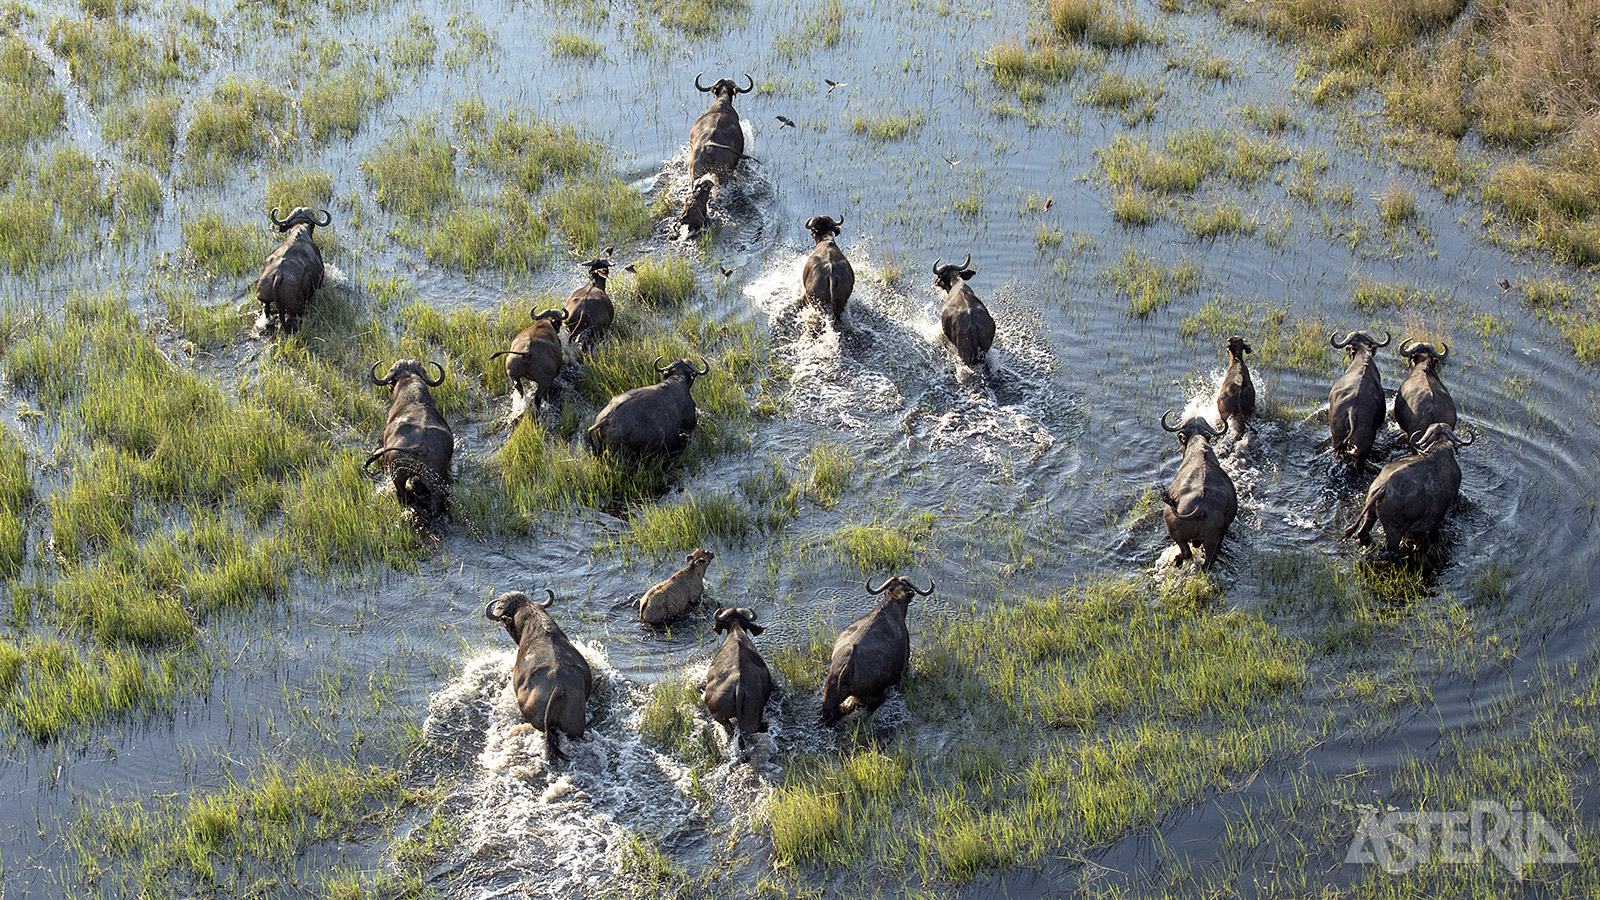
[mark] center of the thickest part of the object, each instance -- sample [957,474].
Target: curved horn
[968,263]
[922,592]
[1407,346]
[1164,425]
[1472,436]
[437,381]
[1333,340]
[387,379]
[704,367]
[839,222]
[936,263]
[1444,350]
[747,90]
[879,588]
[327,219]
[548,600]
[1387,337]
[273,218]
[811,223]
[748,613]
[1209,431]
[488,611]
[659,369]
[697,84]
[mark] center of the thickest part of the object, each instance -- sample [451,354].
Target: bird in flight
[951,159]
[1049,200]
[786,121]
[833,84]
[724,270]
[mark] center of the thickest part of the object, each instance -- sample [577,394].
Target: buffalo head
[1421,351]
[1440,432]
[300,216]
[682,368]
[724,87]
[742,616]
[1238,347]
[899,584]
[1356,341]
[1189,428]
[823,227]
[408,366]
[945,274]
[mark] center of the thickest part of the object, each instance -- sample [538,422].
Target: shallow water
[1054,441]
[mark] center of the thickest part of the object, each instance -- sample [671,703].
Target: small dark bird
[725,270]
[786,121]
[1505,284]
[1049,200]
[833,84]
[629,268]
[951,159]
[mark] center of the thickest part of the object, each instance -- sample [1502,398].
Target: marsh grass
[1134,206]
[571,45]
[336,104]
[658,282]
[1150,284]
[1280,339]
[48,689]
[831,473]
[507,236]
[1186,159]
[883,127]
[414,47]
[1370,296]
[1080,716]
[1225,217]
[35,109]
[413,172]
[1099,23]
[289,188]
[885,546]
[822,27]
[693,521]
[335,517]
[242,120]
[668,720]
[226,839]
[136,193]
[1272,118]
[595,212]
[222,247]
[699,18]
[1133,98]
[1397,206]
[112,58]
[525,152]
[16,494]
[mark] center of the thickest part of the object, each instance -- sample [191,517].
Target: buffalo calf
[681,590]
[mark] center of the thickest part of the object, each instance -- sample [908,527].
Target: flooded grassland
[233,665]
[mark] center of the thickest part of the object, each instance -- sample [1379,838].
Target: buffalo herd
[1410,497]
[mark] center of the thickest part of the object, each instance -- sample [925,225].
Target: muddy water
[1030,466]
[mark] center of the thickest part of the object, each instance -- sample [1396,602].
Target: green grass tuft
[1149,284]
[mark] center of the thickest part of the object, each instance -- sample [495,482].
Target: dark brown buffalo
[1355,404]
[871,654]
[589,308]
[738,683]
[1201,502]
[828,277]
[417,441]
[966,321]
[551,678]
[1422,399]
[650,420]
[716,142]
[293,271]
[1236,401]
[1412,496]
[536,355]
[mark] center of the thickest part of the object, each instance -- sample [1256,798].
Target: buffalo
[536,355]
[1412,496]
[650,420]
[1422,399]
[681,590]
[293,271]
[589,309]
[1236,400]
[871,654]
[738,683]
[696,214]
[716,142]
[417,441]
[966,321]
[1201,503]
[827,276]
[1355,405]
[551,678]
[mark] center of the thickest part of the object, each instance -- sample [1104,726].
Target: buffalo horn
[1444,349]
[273,218]
[1471,433]
[936,266]
[551,598]
[747,90]
[922,592]
[437,381]
[327,219]
[1210,432]
[748,613]
[811,223]
[1164,424]
[879,588]
[967,264]
[1333,341]
[704,366]
[488,611]
[697,85]
[660,370]
[387,379]
[1387,337]
[839,222]
[1408,346]
[1416,437]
